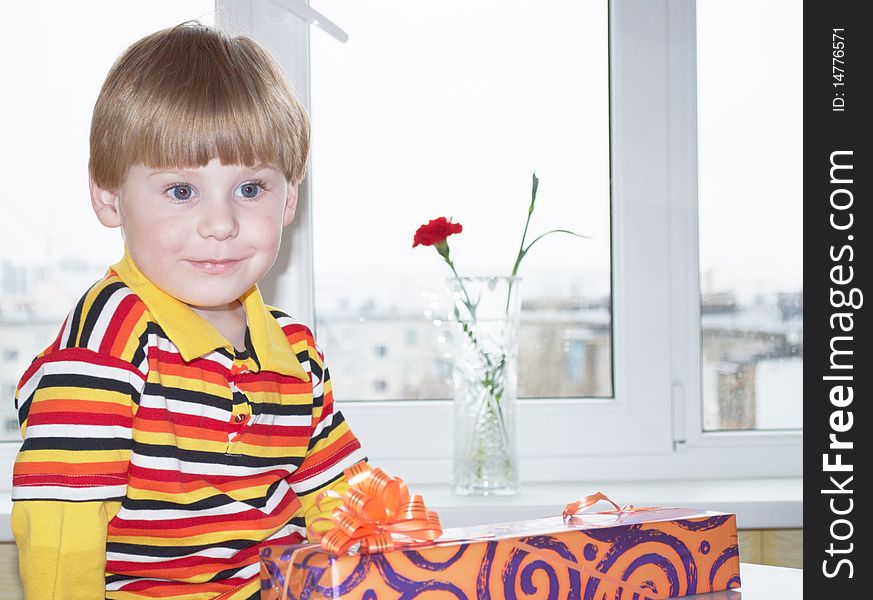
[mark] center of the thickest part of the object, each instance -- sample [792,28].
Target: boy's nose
[218,221]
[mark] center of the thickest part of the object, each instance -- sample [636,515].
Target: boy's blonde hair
[182,96]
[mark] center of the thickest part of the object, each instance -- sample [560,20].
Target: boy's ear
[290,203]
[105,205]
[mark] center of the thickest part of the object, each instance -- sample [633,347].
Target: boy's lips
[215,266]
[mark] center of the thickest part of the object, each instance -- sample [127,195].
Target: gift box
[625,554]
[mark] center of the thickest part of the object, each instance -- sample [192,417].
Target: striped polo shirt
[211,451]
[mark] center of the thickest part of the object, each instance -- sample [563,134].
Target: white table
[761,582]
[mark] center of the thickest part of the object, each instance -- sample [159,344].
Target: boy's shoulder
[299,335]
[109,319]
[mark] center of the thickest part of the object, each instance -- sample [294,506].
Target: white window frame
[652,429]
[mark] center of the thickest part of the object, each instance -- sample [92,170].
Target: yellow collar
[194,336]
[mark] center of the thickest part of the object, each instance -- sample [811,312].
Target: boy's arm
[76,409]
[62,547]
[332,446]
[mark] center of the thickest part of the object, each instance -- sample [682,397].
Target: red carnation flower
[435,231]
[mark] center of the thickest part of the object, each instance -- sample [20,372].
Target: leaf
[587,237]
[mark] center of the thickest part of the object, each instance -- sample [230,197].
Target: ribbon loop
[589,501]
[377,513]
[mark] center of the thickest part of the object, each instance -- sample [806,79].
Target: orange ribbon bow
[588,501]
[377,512]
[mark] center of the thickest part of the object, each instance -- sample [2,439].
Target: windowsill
[758,503]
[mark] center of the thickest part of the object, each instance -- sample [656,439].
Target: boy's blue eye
[250,190]
[181,192]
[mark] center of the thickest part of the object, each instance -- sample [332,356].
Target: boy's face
[203,235]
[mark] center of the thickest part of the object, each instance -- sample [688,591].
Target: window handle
[303,11]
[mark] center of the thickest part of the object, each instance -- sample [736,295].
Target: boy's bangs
[193,139]
[190,133]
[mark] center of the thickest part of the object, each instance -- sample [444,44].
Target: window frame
[652,429]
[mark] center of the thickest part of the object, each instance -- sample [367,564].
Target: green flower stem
[488,413]
[533,199]
[492,383]
[522,249]
[490,410]
[467,302]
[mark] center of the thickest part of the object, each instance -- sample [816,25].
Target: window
[646,423]
[445,108]
[750,218]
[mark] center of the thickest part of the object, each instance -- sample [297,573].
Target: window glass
[446,109]
[53,59]
[750,210]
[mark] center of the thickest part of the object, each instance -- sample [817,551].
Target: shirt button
[239,418]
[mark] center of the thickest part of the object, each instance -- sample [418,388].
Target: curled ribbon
[588,501]
[377,512]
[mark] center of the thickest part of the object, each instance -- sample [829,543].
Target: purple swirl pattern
[624,539]
[312,574]
[634,561]
[527,585]
[723,558]
[358,574]
[483,578]
[516,556]
[703,525]
[410,588]
[421,562]
[662,563]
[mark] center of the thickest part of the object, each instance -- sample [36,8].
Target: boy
[177,424]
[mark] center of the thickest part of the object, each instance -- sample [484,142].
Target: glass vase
[485,313]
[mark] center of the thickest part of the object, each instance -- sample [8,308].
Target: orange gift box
[631,554]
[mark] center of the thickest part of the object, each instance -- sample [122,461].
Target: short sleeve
[76,409]
[332,445]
